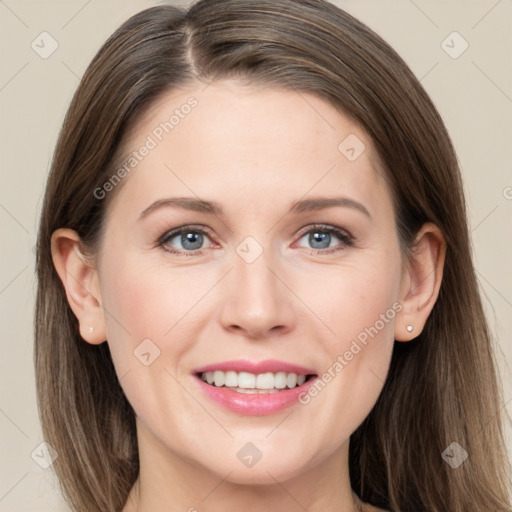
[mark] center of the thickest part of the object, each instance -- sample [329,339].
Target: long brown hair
[441,388]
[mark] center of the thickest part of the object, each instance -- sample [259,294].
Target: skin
[255,152]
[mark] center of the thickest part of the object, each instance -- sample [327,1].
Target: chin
[261,476]
[263,472]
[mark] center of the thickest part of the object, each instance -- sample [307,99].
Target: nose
[258,303]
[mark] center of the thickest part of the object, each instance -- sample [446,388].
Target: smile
[254,388]
[250,383]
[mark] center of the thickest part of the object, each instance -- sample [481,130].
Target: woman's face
[263,272]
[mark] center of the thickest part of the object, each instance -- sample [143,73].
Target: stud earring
[410,328]
[91,329]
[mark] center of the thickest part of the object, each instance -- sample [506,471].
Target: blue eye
[321,237]
[189,240]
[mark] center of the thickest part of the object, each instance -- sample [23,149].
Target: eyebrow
[213,208]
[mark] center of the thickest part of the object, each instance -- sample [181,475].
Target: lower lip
[257,404]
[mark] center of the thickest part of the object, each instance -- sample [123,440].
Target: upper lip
[267,366]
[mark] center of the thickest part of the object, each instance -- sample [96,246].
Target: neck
[168,482]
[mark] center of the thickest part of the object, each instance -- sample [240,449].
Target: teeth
[231,380]
[219,378]
[256,391]
[291,380]
[280,380]
[246,382]
[265,381]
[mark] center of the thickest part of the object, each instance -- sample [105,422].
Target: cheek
[370,307]
[360,311]
[149,313]
[355,302]
[149,302]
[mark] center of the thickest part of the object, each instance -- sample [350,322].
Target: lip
[267,366]
[254,404]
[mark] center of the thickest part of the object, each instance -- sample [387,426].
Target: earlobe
[421,281]
[79,278]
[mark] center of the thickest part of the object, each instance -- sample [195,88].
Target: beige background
[473,93]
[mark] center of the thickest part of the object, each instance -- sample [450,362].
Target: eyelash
[346,239]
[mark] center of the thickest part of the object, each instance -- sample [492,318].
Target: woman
[255,284]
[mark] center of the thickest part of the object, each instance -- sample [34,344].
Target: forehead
[235,141]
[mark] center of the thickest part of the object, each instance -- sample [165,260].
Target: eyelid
[325,227]
[171,233]
[346,238]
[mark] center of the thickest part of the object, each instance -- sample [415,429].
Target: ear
[80,280]
[421,280]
